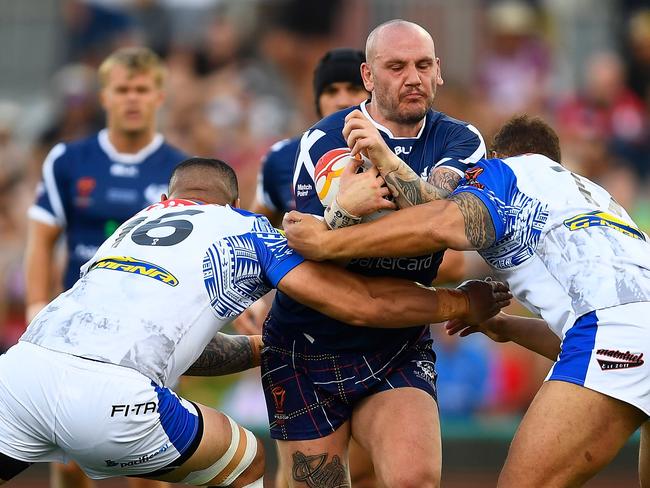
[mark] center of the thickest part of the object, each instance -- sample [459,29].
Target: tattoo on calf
[225,354]
[315,472]
[479,228]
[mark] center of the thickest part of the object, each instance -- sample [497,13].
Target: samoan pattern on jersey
[232,272]
[524,219]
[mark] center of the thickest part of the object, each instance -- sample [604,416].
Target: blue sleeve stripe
[279,270]
[499,226]
[49,181]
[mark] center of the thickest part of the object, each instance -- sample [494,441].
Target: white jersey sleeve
[562,242]
[162,285]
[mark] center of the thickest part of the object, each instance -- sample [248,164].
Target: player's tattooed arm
[316,472]
[479,228]
[227,354]
[409,189]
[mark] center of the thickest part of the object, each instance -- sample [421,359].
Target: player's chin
[412,112]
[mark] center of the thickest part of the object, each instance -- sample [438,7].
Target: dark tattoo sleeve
[479,228]
[409,189]
[316,472]
[225,354]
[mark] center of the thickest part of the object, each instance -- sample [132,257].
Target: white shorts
[111,420]
[605,351]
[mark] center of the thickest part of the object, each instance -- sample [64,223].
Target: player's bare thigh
[644,455]
[568,434]
[217,437]
[317,462]
[406,453]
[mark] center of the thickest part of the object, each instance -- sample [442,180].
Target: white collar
[128,158]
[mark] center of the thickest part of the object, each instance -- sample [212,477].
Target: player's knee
[364,480]
[242,465]
[414,477]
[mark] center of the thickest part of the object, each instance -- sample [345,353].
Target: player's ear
[163,197]
[366,75]
[236,203]
[439,80]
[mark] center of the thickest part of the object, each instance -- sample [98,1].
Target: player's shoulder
[442,121]
[66,152]
[335,121]
[281,150]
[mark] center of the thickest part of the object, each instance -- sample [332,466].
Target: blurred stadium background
[240,79]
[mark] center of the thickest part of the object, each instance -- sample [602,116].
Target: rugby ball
[327,174]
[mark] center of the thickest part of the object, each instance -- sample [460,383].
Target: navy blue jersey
[88,189]
[274,181]
[442,141]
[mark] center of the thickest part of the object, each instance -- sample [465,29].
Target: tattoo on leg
[316,473]
[479,228]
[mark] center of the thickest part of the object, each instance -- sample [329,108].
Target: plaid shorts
[310,392]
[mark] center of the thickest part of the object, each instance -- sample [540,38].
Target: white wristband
[337,217]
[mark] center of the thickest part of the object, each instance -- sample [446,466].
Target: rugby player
[324,380]
[572,255]
[90,378]
[91,186]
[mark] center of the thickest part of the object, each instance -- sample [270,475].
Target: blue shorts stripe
[577,348]
[180,425]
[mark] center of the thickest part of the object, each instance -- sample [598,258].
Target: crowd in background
[240,79]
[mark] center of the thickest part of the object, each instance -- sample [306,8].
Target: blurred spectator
[76,109]
[638,60]
[15,195]
[606,110]
[514,70]
[93,29]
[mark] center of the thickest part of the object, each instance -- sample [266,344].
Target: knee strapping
[237,458]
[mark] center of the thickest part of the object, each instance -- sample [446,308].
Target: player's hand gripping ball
[327,175]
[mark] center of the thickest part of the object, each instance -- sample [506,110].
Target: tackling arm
[462,222]
[532,333]
[227,354]
[387,302]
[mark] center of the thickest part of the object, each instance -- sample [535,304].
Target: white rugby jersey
[158,290]
[563,244]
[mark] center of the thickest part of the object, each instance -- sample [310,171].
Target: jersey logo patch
[135,266]
[602,219]
[614,359]
[471,175]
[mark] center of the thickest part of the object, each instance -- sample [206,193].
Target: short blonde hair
[135,60]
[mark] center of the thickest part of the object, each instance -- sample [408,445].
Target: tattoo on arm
[479,228]
[444,180]
[409,189]
[225,354]
[316,472]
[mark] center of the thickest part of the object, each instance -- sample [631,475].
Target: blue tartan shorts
[311,392]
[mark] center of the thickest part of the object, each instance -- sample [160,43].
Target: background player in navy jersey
[91,186]
[324,381]
[572,255]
